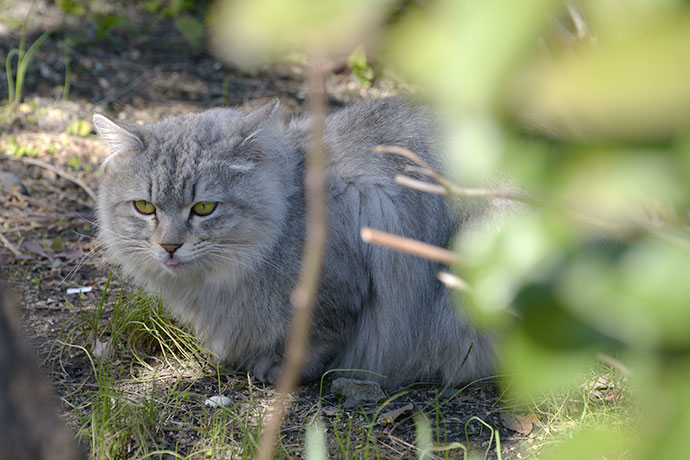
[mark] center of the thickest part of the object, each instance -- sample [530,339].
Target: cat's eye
[203,208]
[144,207]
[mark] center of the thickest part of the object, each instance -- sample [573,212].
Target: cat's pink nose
[170,248]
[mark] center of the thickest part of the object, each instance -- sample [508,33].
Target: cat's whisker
[252,254]
[81,262]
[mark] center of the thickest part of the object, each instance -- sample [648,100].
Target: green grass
[144,398]
[15,82]
[602,402]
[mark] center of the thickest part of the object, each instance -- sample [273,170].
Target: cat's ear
[261,119]
[118,139]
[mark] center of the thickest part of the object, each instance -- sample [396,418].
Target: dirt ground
[141,72]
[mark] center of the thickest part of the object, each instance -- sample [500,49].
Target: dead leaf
[520,423]
[391,415]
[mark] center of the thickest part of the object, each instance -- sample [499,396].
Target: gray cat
[208,210]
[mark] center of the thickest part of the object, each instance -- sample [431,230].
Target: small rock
[357,391]
[11,183]
[102,349]
[217,401]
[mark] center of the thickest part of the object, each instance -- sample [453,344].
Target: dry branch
[304,295]
[421,186]
[452,281]
[61,173]
[410,246]
[445,187]
[9,245]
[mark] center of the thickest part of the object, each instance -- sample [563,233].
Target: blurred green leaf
[640,298]
[462,51]
[615,185]
[251,31]
[631,86]
[531,369]
[596,444]
[500,263]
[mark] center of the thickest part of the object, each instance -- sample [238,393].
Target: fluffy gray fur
[377,309]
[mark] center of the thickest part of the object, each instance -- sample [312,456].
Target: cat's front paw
[267,369]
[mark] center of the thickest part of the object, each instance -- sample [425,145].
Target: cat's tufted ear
[116,138]
[262,118]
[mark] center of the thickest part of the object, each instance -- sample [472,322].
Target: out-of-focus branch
[581,29]
[410,246]
[9,245]
[61,173]
[444,187]
[304,295]
[452,281]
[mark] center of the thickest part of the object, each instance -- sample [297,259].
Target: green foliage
[192,29]
[251,31]
[74,161]
[79,128]
[357,62]
[597,132]
[72,7]
[15,82]
[14,148]
[106,22]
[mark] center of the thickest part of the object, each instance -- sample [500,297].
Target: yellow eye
[204,208]
[144,207]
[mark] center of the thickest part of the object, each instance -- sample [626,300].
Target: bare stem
[9,245]
[304,294]
[444,187]
[452,281]
[61,173]
[410,246]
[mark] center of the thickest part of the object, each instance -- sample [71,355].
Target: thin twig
[417,170]
[410,246]
[454,190]
[446,187]
[304,295]
[421,186]
[449,187]
[10,246]
[61,173]
[453,282]
[410,155]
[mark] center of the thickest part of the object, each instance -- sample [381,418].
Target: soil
[143,71]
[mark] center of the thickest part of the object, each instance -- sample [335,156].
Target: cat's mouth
[173,261]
